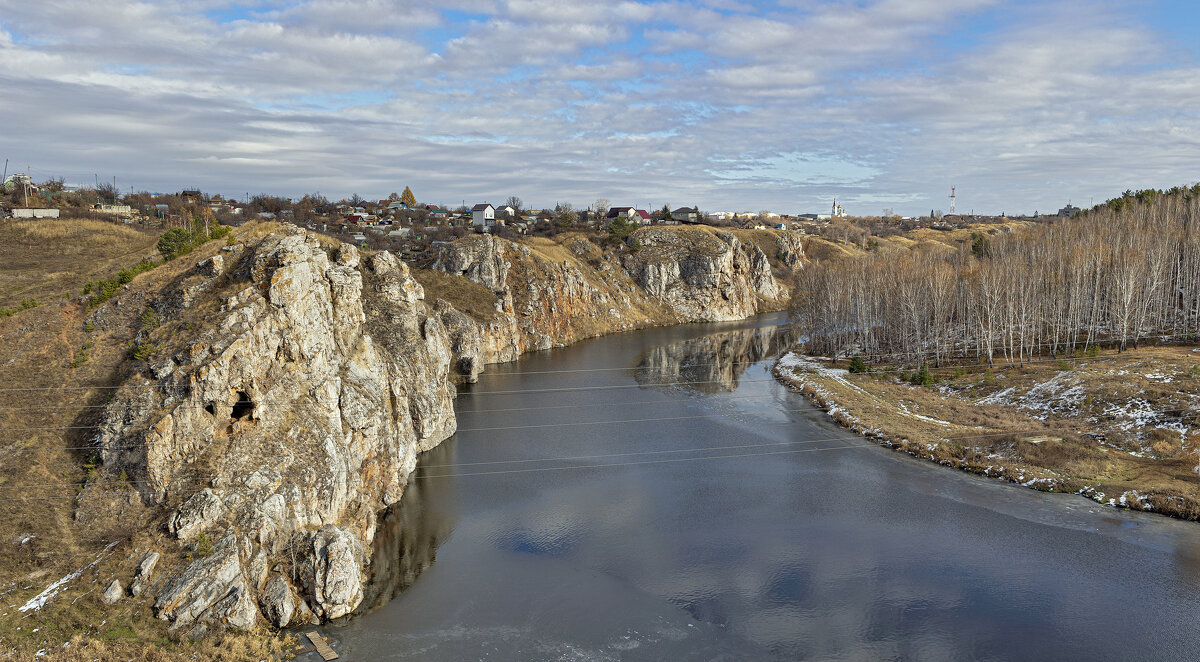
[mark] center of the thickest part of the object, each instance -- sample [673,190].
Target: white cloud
[563,101]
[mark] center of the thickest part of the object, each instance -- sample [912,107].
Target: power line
[628,464]
[555,459]
[459,393]
[482,374]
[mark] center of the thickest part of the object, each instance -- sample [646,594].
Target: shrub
[107,289]
[150,320]
[142,351]
[857,365]
[26,304]
[174,242]
[922,377]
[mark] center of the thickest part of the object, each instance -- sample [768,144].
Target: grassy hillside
[48,259]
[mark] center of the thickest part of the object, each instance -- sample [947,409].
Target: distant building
[686,215]
[105,208]
[483,215]
[620,212]
[1069,211]
[34,213]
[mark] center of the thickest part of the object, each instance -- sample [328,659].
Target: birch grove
[1121,274]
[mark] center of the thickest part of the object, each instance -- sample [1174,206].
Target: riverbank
[240,414]
[1119,429]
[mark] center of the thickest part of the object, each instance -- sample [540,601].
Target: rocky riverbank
[1113,427]
[280,398]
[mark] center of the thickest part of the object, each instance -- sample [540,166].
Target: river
[704,512]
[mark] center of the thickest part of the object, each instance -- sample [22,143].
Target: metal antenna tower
[952,200]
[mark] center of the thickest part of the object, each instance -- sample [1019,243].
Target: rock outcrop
[703,276]
[292,419]
[286,408]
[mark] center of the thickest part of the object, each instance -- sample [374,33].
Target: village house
[686,215]
[483,216]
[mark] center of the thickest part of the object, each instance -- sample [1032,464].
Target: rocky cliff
[296,381]
[555,293]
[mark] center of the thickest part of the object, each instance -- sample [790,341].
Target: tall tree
[408,198]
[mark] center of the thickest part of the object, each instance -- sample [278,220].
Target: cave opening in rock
[210,409]
[243,407]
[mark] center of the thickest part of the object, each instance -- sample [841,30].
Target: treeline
[1119,274]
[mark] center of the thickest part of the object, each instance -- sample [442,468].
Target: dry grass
[993,414]
[50,259]
[468,297]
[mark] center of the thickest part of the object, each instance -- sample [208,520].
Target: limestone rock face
[304,403]
[196,514]
[480,258]
[703,276]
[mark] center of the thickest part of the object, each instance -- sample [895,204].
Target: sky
[886,104]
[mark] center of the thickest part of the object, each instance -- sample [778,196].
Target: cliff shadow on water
[409,532]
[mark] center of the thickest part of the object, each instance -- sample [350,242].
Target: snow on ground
[38,601]
[793,366]
[904,410]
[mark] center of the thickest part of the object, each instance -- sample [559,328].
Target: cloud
[726,104]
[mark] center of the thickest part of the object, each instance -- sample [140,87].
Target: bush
[922,377]
[857,365]
[174,242]
[26,304]
[142,351]
[107,289]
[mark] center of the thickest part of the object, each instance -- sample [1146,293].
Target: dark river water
[658,496]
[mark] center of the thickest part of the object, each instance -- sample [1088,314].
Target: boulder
[200,585]
[336,572]
[113,593]
[145,573]
[278,602]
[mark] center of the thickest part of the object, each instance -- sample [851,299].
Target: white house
[506,211]
[483,215]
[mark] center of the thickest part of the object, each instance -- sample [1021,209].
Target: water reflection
[800,544]
[409,533]
[714,363]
